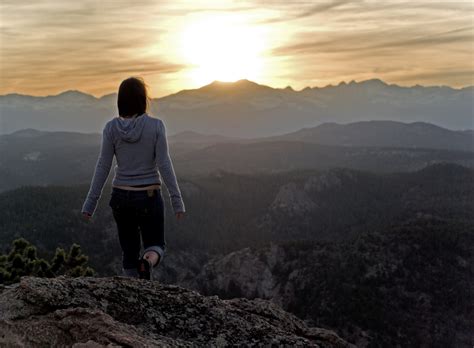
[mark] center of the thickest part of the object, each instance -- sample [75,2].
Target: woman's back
[134,141]
[141,150]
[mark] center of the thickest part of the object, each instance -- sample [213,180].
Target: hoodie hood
[130,129]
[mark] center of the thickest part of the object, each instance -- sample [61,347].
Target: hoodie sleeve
[165,167]
[101,173]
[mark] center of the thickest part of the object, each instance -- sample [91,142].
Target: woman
[139,144]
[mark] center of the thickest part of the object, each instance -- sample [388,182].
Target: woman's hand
[86,216]
[179,215]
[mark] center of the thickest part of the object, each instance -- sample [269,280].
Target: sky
[49,46]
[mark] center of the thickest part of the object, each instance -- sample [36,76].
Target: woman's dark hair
[133,97]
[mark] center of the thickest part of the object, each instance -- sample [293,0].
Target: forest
[381,257]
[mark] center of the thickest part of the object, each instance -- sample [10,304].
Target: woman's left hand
[86,216]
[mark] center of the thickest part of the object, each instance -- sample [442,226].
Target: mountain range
[382,134]
[247,109]
[33,157]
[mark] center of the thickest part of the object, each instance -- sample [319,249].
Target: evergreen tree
[22,260]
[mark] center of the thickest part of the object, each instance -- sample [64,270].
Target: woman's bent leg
[152,226]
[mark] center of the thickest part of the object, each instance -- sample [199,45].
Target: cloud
[375,40]
[51,45]
[389,40]
[311,11]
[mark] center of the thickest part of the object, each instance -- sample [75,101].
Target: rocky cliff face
[245,273]
[118,311]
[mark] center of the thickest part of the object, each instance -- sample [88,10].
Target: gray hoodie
[141,150]
[130,129]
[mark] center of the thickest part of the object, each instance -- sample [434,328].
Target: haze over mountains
[43,158]
[247,109]
[382,134]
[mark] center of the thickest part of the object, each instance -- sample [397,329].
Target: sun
[222,48]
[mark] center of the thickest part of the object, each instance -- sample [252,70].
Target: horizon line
[343,82]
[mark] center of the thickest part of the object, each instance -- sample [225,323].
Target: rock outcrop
[245,273]
[119,311]
[292,200]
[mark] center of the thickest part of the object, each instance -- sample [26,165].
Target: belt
[144,188]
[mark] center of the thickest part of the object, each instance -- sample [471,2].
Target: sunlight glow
[221,48]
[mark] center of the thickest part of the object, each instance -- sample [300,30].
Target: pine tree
[22,260]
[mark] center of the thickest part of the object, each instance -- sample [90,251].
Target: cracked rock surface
[129,312]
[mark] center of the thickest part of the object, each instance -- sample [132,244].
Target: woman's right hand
[179,215]
[86,216]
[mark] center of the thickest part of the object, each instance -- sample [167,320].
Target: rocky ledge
[129,312]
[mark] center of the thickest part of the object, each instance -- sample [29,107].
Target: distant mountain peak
[241,85]
[354,83]
[72,93]
[383,133]
[241,82]
[374,82]
[27,132]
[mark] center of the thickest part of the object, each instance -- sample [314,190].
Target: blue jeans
[135,213]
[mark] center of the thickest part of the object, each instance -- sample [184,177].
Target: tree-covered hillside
[408,285]
[226,212]
[384,259]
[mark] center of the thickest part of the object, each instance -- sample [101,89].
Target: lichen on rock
[119,311]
